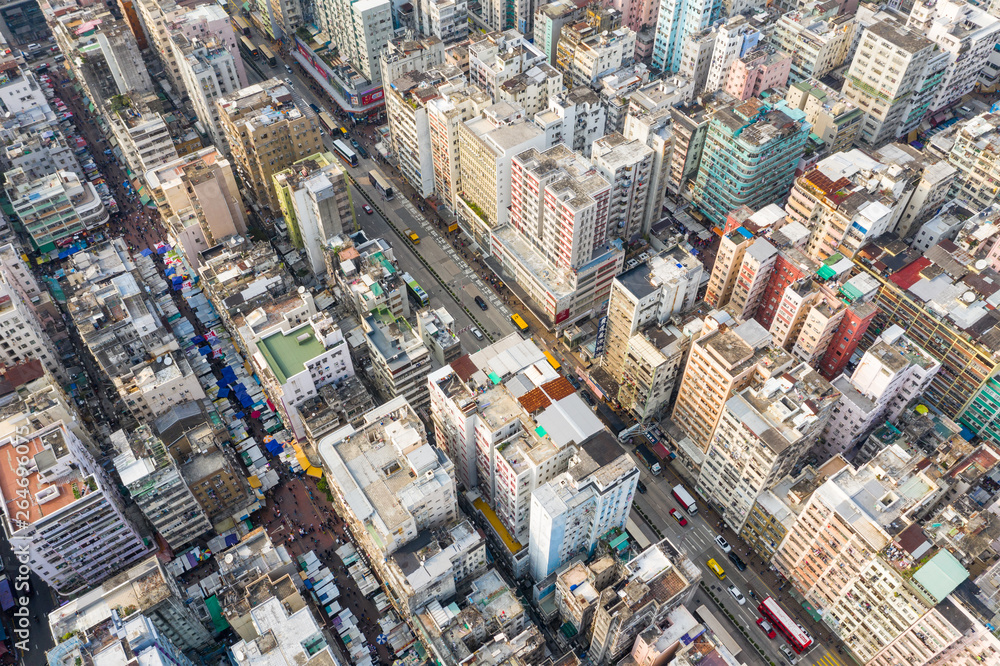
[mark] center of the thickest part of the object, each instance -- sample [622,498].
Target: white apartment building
[400,360]
[155,386]
[208,70]
[602,54]
[316,205]
[410,55]
[486,145]
[733,39]
[696,58]
[892,373]
[976,156]
[406,104]
[532,89]
[762,434]
[894,77]
[818,37]
[294,361]
[678,21]
[445,115]
[575,118]
[448,20]
[628,166]
[142,135]
[497,56]
[21,334]
[558,246]
[389,482]
[155,484]
[21,93]
[967,33]
[70,524]
[572,512]
[360,29]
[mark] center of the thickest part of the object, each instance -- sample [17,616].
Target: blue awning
[162,250]
[224,392]
[147,252]
[240,415]
[204,351]
[197,339]
[170,271]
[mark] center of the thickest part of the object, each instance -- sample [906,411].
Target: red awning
[661,451]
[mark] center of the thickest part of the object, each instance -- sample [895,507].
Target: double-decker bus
[248,49]
[519,322]
[552,360]
[793,633]
[268,56]
[346,153]
[382,184]
[241,26]
[327,123]
[415,291]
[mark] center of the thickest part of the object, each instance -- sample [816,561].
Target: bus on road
[327,123]
[248,49]
[414,290]
[346,153]
[268,56]
[382,184]
[793,633]
[552,360]
[519,322]
[241,26]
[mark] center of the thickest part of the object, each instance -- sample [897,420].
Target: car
[723,544]
[354,142]
[678,517]
[481,303]
[368,209]
[574,381]
[288,69]
[314,108]
[476,332]
[735,591]
[587,398]
[735,559]
[787,653]
[766,627]
[641,487]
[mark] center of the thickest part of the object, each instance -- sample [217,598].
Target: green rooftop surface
[941,575]
[286,356]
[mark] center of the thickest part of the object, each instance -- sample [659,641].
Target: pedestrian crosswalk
[829,659]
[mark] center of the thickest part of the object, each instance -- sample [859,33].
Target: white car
[476,332]
[735,591]
[787,653]
[723,544]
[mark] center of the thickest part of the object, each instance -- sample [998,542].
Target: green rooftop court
[287,353]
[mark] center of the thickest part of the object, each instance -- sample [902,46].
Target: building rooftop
[53,478]
[899,35]
[288,352]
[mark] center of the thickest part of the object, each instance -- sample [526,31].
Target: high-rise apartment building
[818,36]
[849,556]
[572,512]
[893,372]
[21,335]
[628,166]
[142,134]
[486,145]
[677,22]
[510,14]
[834,119]
[976,156]
[723,362]
[585,54]
[267,132]
[967,33]
[733,39]
[766,140]
[199,200]
[557,245]
[576,118]
[155,484]
[55,208]
[445,114]
[757,72]
[550,19]
[208,70]
[316,205]
[406,103]
[360,29]
[70,524]
[448,20]
[154,386]
[763,432]
[497,56]
[894,77]
[400,361]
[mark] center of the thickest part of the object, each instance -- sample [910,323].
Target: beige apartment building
[722,363]
[267,132]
